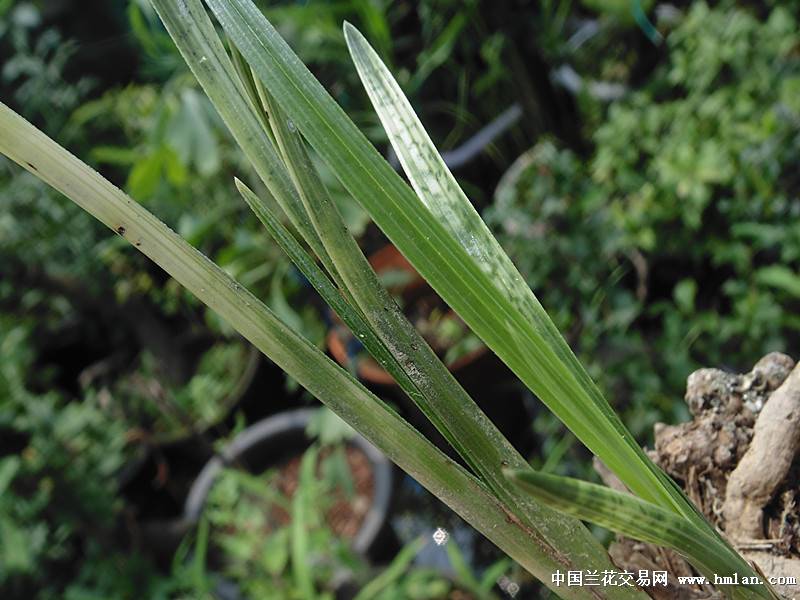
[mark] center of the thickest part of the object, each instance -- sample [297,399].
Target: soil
[345,515]
[737,460]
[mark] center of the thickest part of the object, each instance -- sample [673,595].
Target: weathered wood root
[738,462]
[765,465]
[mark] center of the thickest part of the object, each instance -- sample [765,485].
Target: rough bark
[737,461]
[765,465]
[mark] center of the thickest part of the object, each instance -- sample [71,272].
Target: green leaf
[280,304]
[190,133]
[546,364]
[543,361]
[9,467]
[440,51]
[305,263]
[781,278]
[463,573]
[465,269]
[638,519]
[199,44]
[485,450]
[16,551]
[145,176]
[492,574]
[276,551]
[301,519]
[147,173]
[114,155]
[328,428]
[372,418]
[684,294]
[198,568]
[467,432]
[461,268]
[425,378]
[530,344]
[394,571]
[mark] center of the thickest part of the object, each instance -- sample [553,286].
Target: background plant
[58,496]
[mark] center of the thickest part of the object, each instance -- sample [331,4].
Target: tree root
[737,461]
[765,465]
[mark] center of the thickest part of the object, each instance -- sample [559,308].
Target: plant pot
[166,420]
[161,466]
[280,438]
[422,306]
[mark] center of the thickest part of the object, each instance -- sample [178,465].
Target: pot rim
[288,422]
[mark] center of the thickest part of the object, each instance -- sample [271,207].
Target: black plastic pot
[280,437]
[197,440]
[195,443]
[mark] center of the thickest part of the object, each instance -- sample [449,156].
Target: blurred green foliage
[160,412]
[274,546]
[58,501]
[675,245]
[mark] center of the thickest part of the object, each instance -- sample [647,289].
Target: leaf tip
[348,28]
[352,35]
[240,185]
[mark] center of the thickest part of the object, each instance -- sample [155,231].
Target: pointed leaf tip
[349,29]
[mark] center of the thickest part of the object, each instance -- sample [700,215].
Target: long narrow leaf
[440,192]
[564,540]
[323,285]
[300,525]
[203,51]
[394,571]
[31,149]
[444,198]
[544,365]
[635,518]
[434,389]
[527,341]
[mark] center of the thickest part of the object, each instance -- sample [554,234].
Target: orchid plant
[279,113]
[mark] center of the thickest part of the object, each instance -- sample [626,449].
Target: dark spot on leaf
[121,230]
[31,165]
